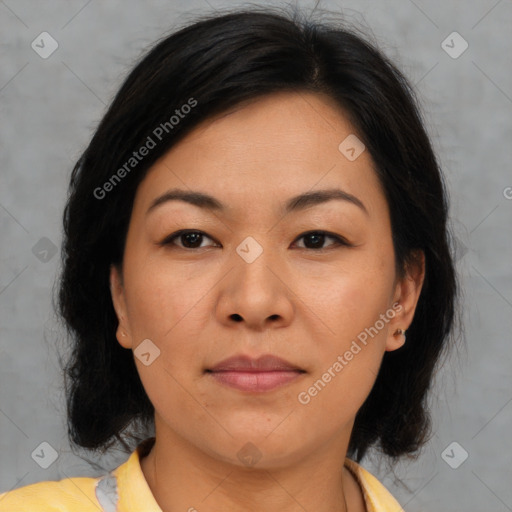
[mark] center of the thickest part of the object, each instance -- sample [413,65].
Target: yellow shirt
[125,490]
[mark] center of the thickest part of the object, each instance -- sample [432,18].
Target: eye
[316,239]
[190,239]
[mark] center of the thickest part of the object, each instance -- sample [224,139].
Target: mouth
[254,375]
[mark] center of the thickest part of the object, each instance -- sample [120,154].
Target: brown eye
[315,240]
[189,239]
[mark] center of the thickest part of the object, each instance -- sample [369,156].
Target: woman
[256,275]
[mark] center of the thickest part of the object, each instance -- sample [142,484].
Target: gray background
[49,109]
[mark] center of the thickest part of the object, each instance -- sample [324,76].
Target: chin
[253,450]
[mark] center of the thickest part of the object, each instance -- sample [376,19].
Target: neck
[182,477]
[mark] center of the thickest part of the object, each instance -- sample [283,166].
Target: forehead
[265,150]
[287,125]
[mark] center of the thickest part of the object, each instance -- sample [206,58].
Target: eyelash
[339,241]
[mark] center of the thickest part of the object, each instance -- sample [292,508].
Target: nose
[256,293]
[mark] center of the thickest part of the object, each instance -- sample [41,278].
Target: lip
[265,373]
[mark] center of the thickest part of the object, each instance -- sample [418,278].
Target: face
[310,281]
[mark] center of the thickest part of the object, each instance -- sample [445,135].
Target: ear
[123,334]
[407,293]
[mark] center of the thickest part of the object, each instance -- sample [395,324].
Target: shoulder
[69,494]
[124,486]
[377,497]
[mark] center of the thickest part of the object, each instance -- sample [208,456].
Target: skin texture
[301,303]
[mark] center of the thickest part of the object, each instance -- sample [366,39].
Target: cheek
[165,306]
[348,356]
[164,299]
[171,305]
[354,309]
[348,298]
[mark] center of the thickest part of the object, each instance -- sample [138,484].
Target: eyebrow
[297,203]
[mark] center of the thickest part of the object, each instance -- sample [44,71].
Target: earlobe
[397,340]
[119,303]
